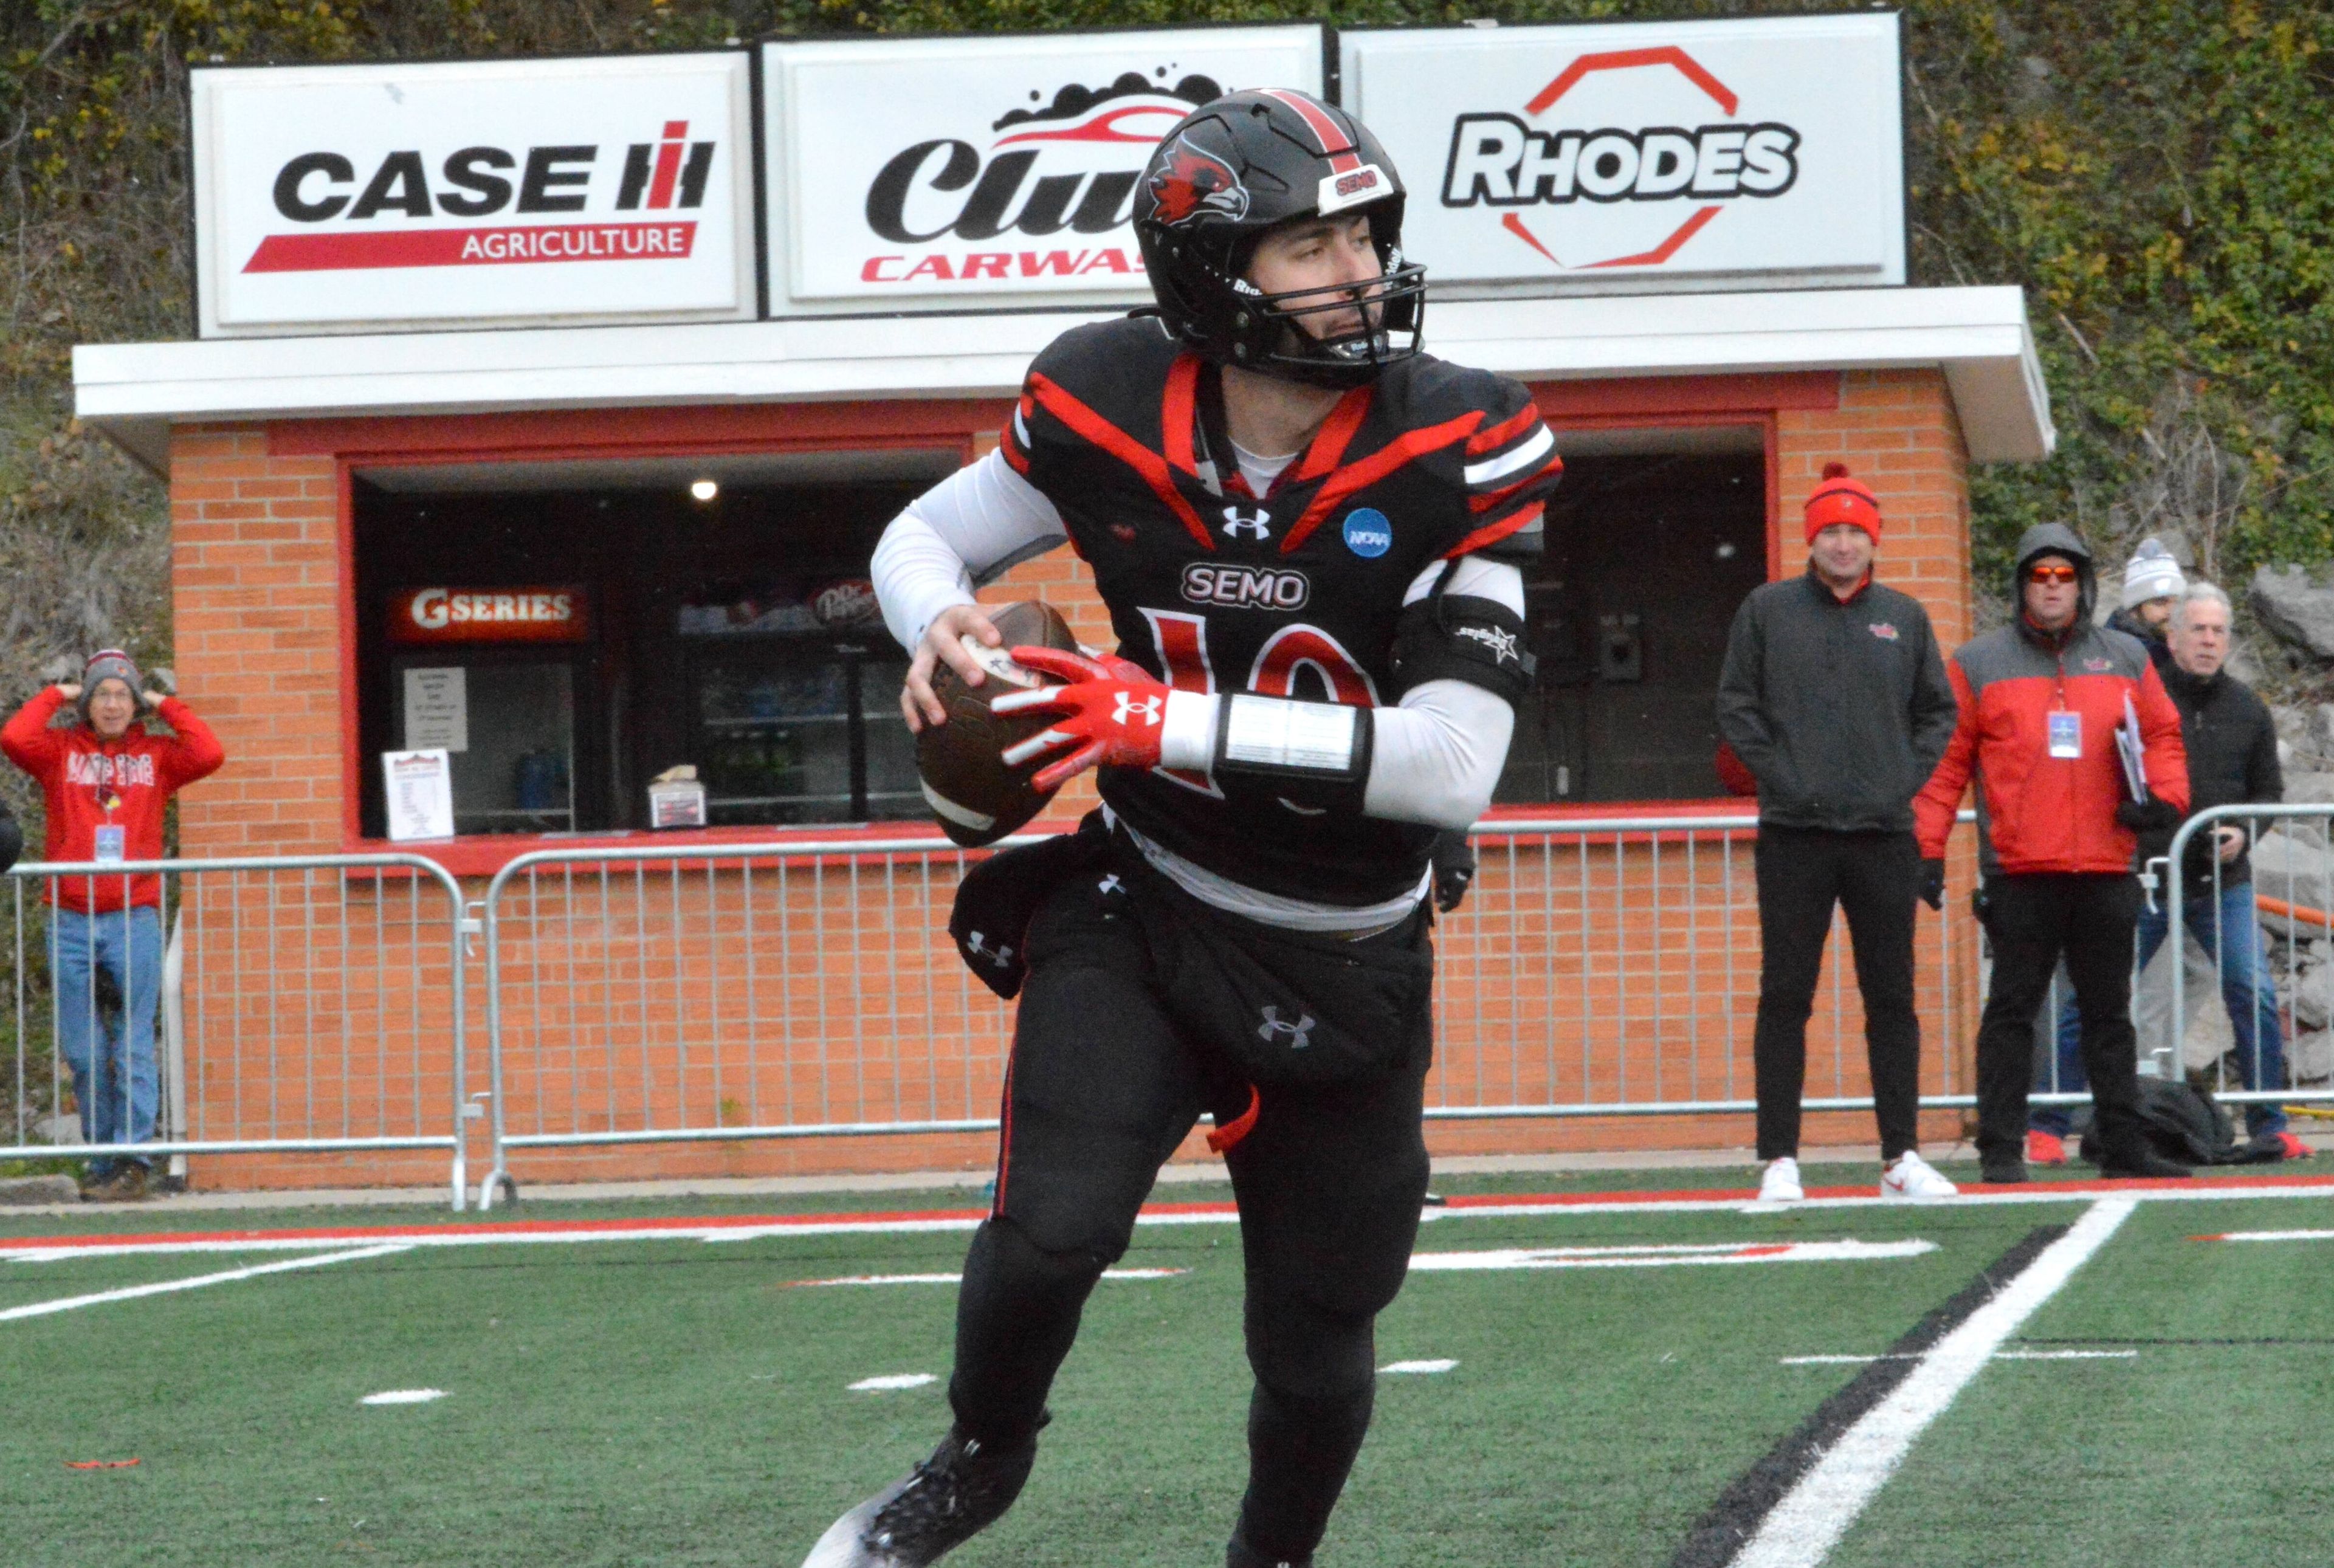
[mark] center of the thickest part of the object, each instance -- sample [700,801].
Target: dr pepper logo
[1546,161]
[362,217]
[953,210]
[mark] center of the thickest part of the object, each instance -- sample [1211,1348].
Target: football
[978,799]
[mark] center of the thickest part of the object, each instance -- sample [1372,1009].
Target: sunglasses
[2051,575]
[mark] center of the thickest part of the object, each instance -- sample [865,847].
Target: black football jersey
[1295,593]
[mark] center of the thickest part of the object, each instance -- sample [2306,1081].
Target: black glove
[2148,816]
[1932,884]
[1454,870]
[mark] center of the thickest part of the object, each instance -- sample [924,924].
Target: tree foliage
[2158,175]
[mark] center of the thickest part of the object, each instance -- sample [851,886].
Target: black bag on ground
[2183,1123]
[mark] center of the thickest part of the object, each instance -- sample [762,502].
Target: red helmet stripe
[1334,143]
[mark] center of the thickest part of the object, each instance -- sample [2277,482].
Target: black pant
[1103,1084]
[1875,878]
[2032,920]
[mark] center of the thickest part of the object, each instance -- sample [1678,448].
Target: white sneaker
[1781,1182]
[1912,1177]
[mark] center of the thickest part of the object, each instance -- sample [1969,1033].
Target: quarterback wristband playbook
[1269,738]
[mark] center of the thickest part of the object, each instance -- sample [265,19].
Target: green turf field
[687,1403]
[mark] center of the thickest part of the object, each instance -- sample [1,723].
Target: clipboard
[2133,753]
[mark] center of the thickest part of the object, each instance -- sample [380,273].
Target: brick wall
[255,578]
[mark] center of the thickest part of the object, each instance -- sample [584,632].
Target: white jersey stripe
[1513,459]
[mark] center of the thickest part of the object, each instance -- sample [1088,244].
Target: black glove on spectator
[1932,884]
[2148,816]
[1454,870]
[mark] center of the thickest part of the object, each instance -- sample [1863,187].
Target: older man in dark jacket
[1834,696]
[2231,745]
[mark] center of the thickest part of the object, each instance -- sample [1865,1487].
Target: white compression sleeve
[973,525]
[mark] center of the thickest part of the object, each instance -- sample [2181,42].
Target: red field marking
[1483,1206]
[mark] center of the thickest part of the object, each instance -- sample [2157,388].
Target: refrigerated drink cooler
[803,729]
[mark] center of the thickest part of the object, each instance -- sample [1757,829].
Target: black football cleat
[962,1489]
[1239,1554]
[2007,1171]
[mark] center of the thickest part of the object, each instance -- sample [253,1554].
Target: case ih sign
[1662,155]
[953,173]
[357,197]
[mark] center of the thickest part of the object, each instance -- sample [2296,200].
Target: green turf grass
[675,1403]
[2192,1452]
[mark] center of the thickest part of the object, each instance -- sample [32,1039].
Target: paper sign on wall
[420,786]
[438,709]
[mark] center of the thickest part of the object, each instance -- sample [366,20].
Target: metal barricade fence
[318,1005]
[669,995]
[2263,1037]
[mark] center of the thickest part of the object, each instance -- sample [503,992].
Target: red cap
[1840,499]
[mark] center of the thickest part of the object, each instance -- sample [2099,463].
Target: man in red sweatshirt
[107,780]
[2040,700]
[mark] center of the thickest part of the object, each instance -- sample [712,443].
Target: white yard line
[1682,1255]
[2271,1235]
[1999,1355]
[1802,1529]
[559,1233]
[228,1276]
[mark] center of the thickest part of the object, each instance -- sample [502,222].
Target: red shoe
[2047,1148]
[2294,1148]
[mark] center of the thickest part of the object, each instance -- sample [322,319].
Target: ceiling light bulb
[704,489]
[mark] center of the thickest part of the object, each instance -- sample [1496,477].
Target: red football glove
[1111,711]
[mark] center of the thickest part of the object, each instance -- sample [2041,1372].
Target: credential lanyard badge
[2067,734]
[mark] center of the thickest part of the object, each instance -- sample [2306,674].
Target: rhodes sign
[959,173]
[369,197]
[1643,157]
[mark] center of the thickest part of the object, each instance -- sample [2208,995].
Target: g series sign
[1637,157]
[959,172]
[439,614]
[339,198]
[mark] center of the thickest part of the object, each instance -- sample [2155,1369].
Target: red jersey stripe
[1492,533]
[1500,434]
[1385,460]
[1125,448]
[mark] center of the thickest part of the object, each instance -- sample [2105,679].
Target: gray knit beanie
[2151,573]
[110,664]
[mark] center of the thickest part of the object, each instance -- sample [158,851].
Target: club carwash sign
[1640,157]
[372,198]
[965,172]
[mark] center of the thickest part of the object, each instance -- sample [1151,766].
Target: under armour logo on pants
[1275,1026]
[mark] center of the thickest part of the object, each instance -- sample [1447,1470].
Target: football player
[1306,532]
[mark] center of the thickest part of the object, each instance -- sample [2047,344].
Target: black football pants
[1102,1088]
[2031,920]
[1875,877]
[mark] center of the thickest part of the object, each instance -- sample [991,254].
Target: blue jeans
[111,1056]
[2231,935]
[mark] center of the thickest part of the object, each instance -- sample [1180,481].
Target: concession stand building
[543,415]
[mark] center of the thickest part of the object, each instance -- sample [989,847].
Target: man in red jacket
[107,780]
[2040,700]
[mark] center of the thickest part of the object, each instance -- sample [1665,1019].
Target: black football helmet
[1249,162]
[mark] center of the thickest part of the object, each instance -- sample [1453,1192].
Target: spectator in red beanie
[1834,698]
[108,779]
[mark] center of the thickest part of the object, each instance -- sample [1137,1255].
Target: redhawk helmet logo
[1189,181]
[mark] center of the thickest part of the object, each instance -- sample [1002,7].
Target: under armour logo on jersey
[1000,956]
[1247,522]
[1148,707]
[1110,884]
[1275,1026]
[1502,644]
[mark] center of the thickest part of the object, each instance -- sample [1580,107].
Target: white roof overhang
[134,393]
